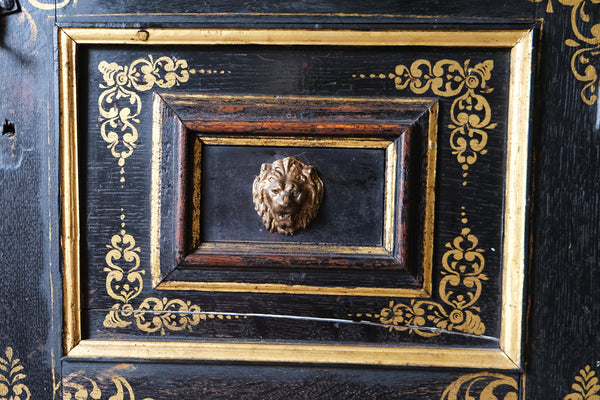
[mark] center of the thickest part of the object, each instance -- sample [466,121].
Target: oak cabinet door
[304,200]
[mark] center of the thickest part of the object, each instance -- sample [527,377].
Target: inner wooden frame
[352,127]
[507,355]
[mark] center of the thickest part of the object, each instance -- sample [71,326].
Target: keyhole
[8,128]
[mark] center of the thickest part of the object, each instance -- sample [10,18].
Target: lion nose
[284,198]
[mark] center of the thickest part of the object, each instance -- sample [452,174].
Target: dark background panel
[296,70]
[279,317]
[351,213]
[113,205]
[351,271]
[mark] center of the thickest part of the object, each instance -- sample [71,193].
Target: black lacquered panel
[353,205]
[468,196]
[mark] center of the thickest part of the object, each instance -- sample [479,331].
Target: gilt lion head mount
[287,195]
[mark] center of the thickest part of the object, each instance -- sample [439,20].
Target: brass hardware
[287,195]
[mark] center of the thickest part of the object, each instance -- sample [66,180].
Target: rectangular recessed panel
[351,213]
[439,120]
[245,212]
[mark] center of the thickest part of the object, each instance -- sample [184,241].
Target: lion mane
[287,169]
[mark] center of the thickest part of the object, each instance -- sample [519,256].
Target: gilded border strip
[304,141]
[246,248]
[432,150]
[515,197]
[342,37]
[298,353]
[69,189]
[517,133]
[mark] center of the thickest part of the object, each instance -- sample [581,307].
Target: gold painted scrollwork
[11,376]
[77,386]
[123,251]
[587,45]
[459,289]
[124,280]
[120,105]
[174,315]
[470,113]
[586,41]
[124,283]
[586,386]
[482,386]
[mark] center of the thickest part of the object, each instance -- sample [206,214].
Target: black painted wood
[351,214]
[187,13]
[217,381]
[563,275]
[30,305]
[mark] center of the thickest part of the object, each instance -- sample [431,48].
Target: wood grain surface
[561,346]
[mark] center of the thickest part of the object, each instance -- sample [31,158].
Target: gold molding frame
[506,356]
[391,155]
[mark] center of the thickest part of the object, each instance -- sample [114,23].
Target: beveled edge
[175,36]
[69,190]
[295,353]
[391,154]
[515,198]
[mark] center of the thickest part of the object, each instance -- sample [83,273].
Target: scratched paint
[11,152]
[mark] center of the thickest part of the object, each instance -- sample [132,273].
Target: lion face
[287,195]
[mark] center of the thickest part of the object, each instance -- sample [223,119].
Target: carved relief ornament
[287,195]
